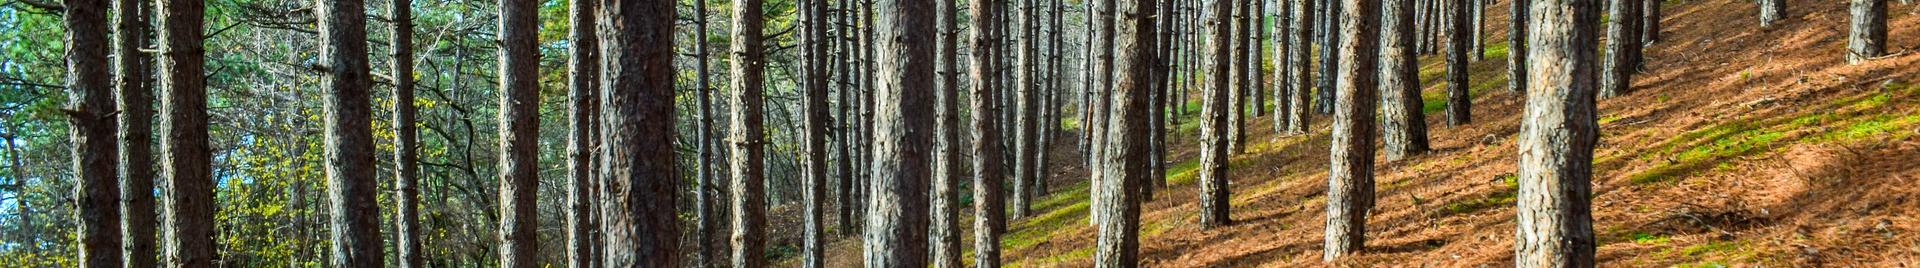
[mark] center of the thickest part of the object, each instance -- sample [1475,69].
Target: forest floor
[1740,146]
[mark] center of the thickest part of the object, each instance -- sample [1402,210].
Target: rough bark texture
[1771,11]
[903,132]
[637,111]
[1459,100]
[406,141]
[989,218]
[1329,45]
[1213,140]
[747,159]
[1623,48]
[90,110]
[1128,147]
[1350,179]
[948,160]
[813,251]
[135,97]
[184,151]
[1301,32]
[1554,219]
[1025,141]
[1867,35]
[1517,46]
[1102,98]
[1649,24]
[519,133]
[351,183]
[1241,82]
[1283,72]
[1405,131]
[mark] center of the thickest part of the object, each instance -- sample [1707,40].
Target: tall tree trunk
[27,232]
[1405,132]
[1102,99]
[1052,126]
[351,181]
[1517,46]
[1478,16]
[1350,182]
[90,108]
[1301,32]
[1283,73]
[1026,124]
[1214,206]
[989,216]
[1555,215]
[748,136]
[1329,45]
[1459,98]
[1771,11]
[135,98]
[1242,11]
[1650,24]
[1623,48]
[948,159]
[1256,23]
[707,188]
[637,114]
[1867,35]
[1128,146]
[903,131]
[519,133]
[848,173]
[406,141]
[818,124]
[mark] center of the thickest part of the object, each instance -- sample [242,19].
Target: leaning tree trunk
[1350,178]
[1405,132]
[1867,38]
[1517,46]
[948,163]
[1771,11]
[350,165]
[90,109]
[903,134]
[406,140]
[747,162]
[136,132]
[519,133]
[1557,134]
[989,213]
[1459,99]
[637,112]
[1128,146]
[1623,48]
[1213,141]
[1301,63]
[184,152]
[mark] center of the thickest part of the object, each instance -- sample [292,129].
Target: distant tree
[1350,180]
[1283,72]
[1517,45]
[903,132]
[1128,145]
[814,17]
[1649,24]
[1241,82]
[1771,11]
[747,160]
[135,96]
[1214,205]
[1459,100]
[184,153]
[90,110]
[1329,45]
[350,165]
[1026,139]
[989,213]
[1405,131]
[1867,35]
[708,184]
[406,140]
[1623,49]
[1556,139]
[637,111]
[1301,32]
[850,135]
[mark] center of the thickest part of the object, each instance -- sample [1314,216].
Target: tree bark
[1867,35]
[948,159]
[988,211]
[1517,46]
[1128,146]
[708,184]
[1214,205]
[1026,124]
[1557,134]
[637,113]
[903,131]
[1459,98]
[1102,99]
[90,112]
[847,119]
[1771,11]
[135,98]
[1623,49]
[818,123]
[1405,132]
[1650,24]
[1350,181]
[406,141]
[1242,82]
[1299,96]
[1283,72]
[748,136]
[1329,45]
[519,133]
[185,154]
[350,166]
[1479,19]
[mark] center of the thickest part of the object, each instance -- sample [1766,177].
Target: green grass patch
[1502,198]
[1183,172]
[1648,239]
[1497,51]
[1609,119]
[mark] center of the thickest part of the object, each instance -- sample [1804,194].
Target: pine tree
[1555,218]
[637,113]
[748,154]
[350,166]
[1350,182]
[406,141]
[1405,131]
[1213,140]
[1867,35]
[989,216]
[135,96]
[95,154]
[903,134]
[1623,49]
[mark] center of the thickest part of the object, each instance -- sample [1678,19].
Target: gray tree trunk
[1405,132]
[1350,179]
[1329,45]
[1557,134]
[406,141]
[1459,99]
[638,130]
[1240,79]
[1256,22]
[903,132]
[989,216]
[1623,49]
[1283,72]
[1026,124]
[748,135]
[1771,11]
[1301,63]
[350,166]
[1517,46]
[1867,35]
[519,133]
[1214,205]
[1128,147]
[847,118]
[817,125]
[1650,24]
[1102,98]
[135,96]
[948,160]
[90,105]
